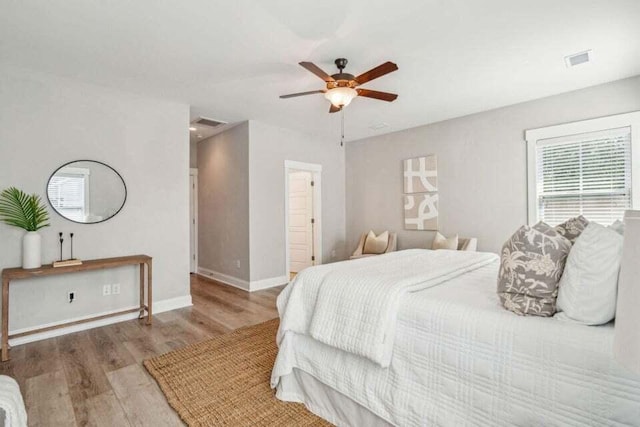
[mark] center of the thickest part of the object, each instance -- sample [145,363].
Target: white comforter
[353,305]
[460,359]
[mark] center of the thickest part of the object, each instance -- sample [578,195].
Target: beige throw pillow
[376,245]
[442,242]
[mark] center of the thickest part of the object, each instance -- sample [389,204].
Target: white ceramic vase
[32,250]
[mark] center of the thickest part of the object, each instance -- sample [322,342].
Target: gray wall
[46,122]
[241,198]
[223,202]
[270,146]
[193,154]
[481,166]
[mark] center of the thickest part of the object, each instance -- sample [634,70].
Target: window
[67,192]
[585,168]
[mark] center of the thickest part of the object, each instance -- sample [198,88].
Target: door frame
[193,263]
[316,176]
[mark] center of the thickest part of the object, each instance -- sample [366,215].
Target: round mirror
[86,191]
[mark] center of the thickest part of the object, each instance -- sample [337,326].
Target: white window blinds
[587,174]
[67,195]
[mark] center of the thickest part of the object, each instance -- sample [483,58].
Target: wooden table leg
[141,291]
[5,319]
[149,291]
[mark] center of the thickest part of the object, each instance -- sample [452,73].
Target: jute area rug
[225,381]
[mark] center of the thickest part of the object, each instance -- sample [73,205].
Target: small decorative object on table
[61,242]
[66,262]
[29,213]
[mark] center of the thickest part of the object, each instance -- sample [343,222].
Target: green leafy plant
[22,210]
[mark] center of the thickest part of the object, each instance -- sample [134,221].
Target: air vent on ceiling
[208,122]
[578,58]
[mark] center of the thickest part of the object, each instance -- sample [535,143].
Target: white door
[300,221]
[192,221]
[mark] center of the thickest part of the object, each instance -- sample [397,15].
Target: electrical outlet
[333,254]
[238,263]
[71,296]
[115,289]
[106,290]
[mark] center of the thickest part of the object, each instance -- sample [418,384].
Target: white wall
[47,121]
[481,166]
[269,147]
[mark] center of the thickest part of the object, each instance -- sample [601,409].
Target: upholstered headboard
[626,345]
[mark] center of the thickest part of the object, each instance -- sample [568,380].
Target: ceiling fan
[343,87]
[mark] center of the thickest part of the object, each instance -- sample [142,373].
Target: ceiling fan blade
[334,109]
[374,73]
[383,96]
[293,95]
[310,66]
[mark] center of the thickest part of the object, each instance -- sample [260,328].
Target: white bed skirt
[325,402]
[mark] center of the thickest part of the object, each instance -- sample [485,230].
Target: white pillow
[618,227]
[376,245]
[589,285]
[441,242]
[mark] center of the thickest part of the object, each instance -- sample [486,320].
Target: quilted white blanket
[353,305]
[460,359]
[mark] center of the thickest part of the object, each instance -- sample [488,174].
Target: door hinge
[194,221]
[313,258]
[313,183]
[313,221]
[194,257]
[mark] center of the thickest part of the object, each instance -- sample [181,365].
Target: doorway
[193,219]
[302,216]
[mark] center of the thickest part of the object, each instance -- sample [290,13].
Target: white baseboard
[255,285]
[258,285]
[172,304]
[224,278]
[158,307]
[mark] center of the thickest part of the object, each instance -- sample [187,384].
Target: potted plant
[29,213]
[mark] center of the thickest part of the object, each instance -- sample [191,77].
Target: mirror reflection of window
[68,192]
[86,191]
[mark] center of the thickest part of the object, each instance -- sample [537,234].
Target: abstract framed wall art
[421,211]
[421,198]
[421,174]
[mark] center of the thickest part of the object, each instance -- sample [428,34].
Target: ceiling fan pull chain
[342,129]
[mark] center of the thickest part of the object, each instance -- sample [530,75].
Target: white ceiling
[231,59]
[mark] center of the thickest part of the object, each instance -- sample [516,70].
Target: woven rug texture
[224,381]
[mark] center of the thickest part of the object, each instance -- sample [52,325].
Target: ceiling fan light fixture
[341,96]
[341,87]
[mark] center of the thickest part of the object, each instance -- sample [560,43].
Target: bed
[456,356]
